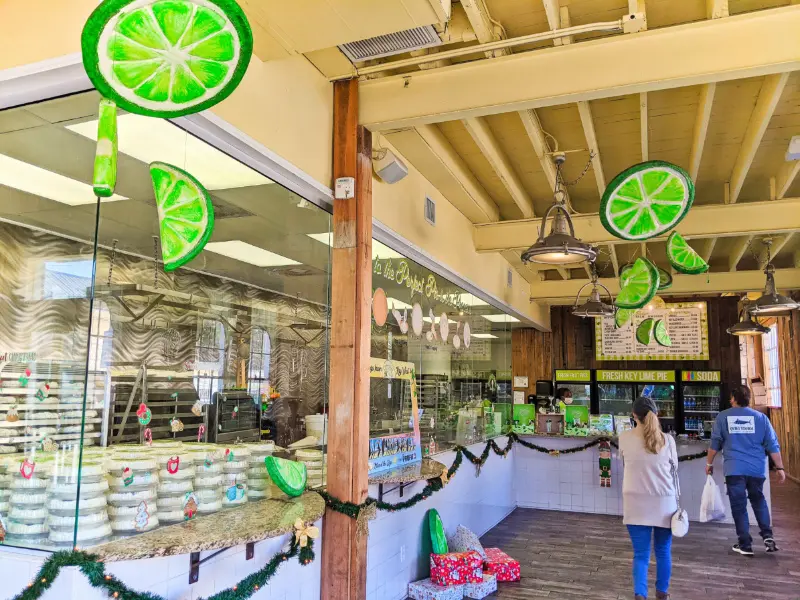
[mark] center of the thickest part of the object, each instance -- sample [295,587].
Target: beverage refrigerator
[701,399]
[616,391]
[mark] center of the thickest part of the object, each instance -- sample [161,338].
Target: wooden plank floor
[588,557]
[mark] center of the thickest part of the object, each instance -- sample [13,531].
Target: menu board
[687,326]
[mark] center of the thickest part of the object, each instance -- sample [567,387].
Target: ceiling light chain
[579,177]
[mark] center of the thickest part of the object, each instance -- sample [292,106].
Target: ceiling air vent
[430,211]
[391,43]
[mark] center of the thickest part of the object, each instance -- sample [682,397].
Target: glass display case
[616,398]
[133,397]
[617,391]
[664,396]
[701,394]
[460,350]
[579,384]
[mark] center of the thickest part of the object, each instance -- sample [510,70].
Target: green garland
[357,511]
[95,572]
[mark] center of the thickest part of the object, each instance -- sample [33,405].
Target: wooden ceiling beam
[643,126]
[701,128]
[459,170]
[484,138]
[778,244]
[786,176]
[689,54]
[768,98]
[564,272]
[708,250]
[587,122]
[737,252]
[703,221]
[563,292]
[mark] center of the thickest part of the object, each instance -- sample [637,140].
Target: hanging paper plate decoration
[380,310]
[105,159]
[467,335]
[646,200]
[682,256]
[444,327]
[166,58]
[185,214]
[438,538]
[638,286]
[416,319]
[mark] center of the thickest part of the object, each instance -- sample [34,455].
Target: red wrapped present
[456,568]
[502,565]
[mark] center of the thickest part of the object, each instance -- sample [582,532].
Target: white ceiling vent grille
[391,43]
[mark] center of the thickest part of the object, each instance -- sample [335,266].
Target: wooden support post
[344,552]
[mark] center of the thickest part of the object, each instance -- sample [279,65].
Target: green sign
[573,375]
[637,376]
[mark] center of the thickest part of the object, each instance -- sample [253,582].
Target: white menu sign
[687,327]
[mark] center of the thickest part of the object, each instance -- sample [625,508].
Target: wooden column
[344,553]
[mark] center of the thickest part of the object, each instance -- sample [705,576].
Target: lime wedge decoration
[105,159]
[438,538]
[185,214]
[641,285]
[288,475]
[166,58]
[646,200]
[661,335]
[664,278]
[644,332]
[622,316]
[682,256]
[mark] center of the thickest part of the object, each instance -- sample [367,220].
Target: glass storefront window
[460,350]
[158,394]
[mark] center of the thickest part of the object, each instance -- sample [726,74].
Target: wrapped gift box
[478,591]
[427,590]
[502,565]
[456,568]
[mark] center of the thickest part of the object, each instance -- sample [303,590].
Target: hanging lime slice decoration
[166,58]
[646,200]
[185,214]
[661,335]
[288,475]
[644,332]
[682,256]
[641,285]
[438,538]
[622,316]
[664,277]
[104,178]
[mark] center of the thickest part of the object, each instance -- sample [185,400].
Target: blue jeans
[662,541]
[740,488]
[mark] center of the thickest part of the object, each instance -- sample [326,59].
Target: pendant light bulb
[771,302]
[594,307]
[747,326]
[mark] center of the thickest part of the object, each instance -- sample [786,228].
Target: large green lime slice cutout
[661,335]
[646,200]
[682,256]
[664,277]
[644,332]
[438,538]
[166,58]
[185,214]
[622,316]
[288,475]
[641,285]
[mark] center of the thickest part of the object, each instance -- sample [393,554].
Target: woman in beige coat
[649,498]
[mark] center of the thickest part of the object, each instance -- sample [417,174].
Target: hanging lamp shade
[771,302]
[594,306]
[747,326]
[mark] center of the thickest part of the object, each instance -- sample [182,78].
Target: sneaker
[770,545]
[742,551]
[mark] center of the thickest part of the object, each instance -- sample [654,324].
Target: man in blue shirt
[745,436]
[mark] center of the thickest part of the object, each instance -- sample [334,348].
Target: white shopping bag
[712,508]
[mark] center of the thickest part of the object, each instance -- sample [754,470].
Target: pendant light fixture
[746,324]
[771,302]
[593,307]
[561,246]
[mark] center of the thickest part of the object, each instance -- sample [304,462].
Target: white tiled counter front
[571,482]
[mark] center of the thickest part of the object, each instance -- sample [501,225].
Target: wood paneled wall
[786,420]
[571,346]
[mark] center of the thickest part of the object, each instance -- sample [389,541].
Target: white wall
[398,550]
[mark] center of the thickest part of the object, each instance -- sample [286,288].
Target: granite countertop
[427,469]
[251,522]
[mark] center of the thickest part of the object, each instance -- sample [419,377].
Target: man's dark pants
[740,488]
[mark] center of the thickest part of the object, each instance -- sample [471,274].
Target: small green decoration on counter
[605,463]
[290,476]
[105,159]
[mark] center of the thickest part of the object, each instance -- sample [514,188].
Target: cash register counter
[571,482]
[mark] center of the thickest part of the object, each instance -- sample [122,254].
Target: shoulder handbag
[680,518]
